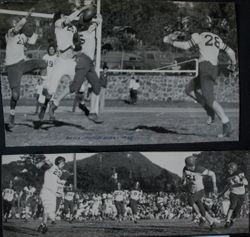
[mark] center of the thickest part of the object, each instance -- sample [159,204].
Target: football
[88,14]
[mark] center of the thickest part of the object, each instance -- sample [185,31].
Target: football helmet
[232,167]
[59,160]
[190,161]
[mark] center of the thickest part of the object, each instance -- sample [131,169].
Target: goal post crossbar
[24,13]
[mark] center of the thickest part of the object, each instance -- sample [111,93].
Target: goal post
[98,41]
[24,13]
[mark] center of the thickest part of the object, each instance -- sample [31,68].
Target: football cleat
[95,118]
[52,109]
[210,120]
[44,229]
[53,222]
[40,227]
[226,130]
[212,226]
[229,224]
[202,221]
[11,121]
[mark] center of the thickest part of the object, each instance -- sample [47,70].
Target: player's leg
[52,83]
[14,77]
[94,81]
[192,90]
[33,64]
[208,75]
[237,210]
[102,100]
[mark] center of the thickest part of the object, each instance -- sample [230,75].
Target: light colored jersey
[64,35]
[15,47]
[59,192]
[119,195]
[88,43]
[135,194]
[194,178]
[39,89]
[8,194]
[52,178]
[236,179]
[209,46]
[69,196]
[29,192]
[50,60]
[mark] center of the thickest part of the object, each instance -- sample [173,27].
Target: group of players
[75,44]
[76,51]
[53,188]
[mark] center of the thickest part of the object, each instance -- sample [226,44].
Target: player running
[209,45]
[50,186]
[17,37]
[135,196]
[193,180]
[8,196]
[237,183]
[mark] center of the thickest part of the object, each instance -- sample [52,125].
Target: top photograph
[114,73]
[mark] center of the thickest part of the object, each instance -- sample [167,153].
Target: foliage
[147,18]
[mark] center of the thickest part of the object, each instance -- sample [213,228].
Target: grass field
[145,123]
[17,228]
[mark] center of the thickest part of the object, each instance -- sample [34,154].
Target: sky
[172,161]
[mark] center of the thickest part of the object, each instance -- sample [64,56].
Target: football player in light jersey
[52,179]
[119,197]
[28,192]
[8,195]
[65,64]
[193,179]
[16,38]
[135,196]
[69,201]
[209,45]
[85,51]
[237,183]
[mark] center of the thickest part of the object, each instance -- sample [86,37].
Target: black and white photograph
[113,73]
[126,194]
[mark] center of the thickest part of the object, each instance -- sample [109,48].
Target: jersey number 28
[212,41]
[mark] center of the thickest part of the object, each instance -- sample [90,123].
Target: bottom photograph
[126,194]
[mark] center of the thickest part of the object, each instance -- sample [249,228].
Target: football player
[69,201]
[8,195]
[209,45]
[28,192]
[119,197]
[17,37]
[50,186]
[135,196]
[236,186]
[65,65]
[193,180]
[85,51]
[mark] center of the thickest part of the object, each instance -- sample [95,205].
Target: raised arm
[21,23]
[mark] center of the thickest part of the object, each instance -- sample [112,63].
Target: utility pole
[75,171]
